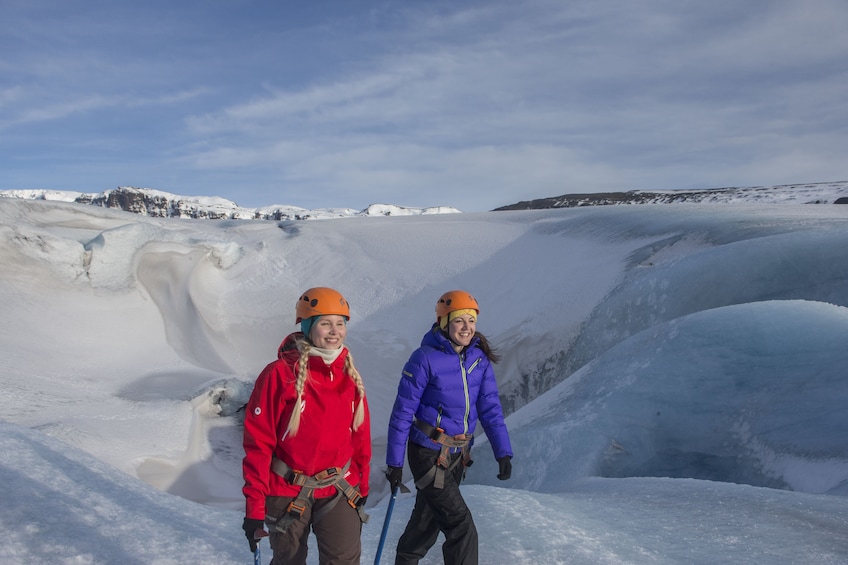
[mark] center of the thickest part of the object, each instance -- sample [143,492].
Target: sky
[674,376]
[472,105]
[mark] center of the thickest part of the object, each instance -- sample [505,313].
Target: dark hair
[487,348]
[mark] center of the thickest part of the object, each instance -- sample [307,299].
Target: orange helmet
[321,301]
[455,300]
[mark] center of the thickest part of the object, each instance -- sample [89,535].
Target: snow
[781,194]
[675,375]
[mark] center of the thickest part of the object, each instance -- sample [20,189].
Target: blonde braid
[359,414]
[302,372]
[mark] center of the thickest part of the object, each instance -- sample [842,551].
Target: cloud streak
[474,105]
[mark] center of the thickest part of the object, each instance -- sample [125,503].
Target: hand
[395,477]
[361,502]
[251,527]
[504,467]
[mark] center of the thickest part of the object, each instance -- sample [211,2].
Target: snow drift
[658,361]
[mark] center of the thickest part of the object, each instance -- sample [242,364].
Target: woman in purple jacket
[446,386]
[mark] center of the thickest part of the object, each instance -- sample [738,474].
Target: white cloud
[660,94]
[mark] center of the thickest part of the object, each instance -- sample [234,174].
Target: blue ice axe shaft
[386,525]
[257,555]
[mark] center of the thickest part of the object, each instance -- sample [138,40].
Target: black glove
[504,467]
[250,527]
[361,502]
[395,477]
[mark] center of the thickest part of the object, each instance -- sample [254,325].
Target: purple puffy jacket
[447,390]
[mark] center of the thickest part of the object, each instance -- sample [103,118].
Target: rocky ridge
[814,193]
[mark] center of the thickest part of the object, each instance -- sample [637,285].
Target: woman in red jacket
[307,440]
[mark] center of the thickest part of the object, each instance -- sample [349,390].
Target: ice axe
[400,487]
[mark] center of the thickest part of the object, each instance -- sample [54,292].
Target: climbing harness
[334,476]
[436,474]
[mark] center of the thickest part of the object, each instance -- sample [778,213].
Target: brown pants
[338,533]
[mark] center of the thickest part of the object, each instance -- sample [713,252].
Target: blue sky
[472,104]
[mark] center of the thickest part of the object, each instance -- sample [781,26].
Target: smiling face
[328,332]
[461,329]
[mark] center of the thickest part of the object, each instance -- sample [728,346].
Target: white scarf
[328,355]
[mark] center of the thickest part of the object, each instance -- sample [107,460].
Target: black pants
[437,510]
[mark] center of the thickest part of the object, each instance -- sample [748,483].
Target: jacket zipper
[465,391]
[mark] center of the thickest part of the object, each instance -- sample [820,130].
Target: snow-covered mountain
[815,193]
[159,204]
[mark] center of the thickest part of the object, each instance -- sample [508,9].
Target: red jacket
[325,438]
